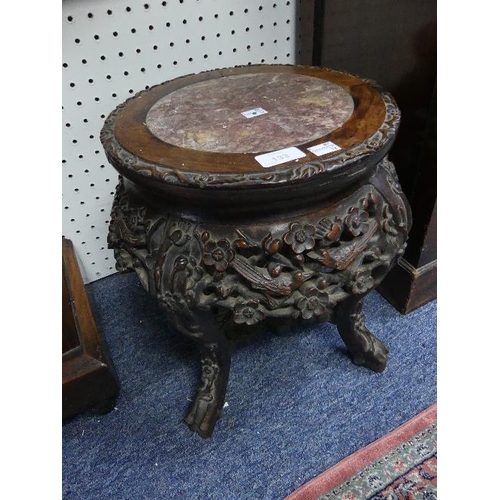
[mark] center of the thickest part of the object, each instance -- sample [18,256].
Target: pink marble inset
[206,116]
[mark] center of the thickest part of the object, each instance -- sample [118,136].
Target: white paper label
[281,156]
[324,148]
[254,112]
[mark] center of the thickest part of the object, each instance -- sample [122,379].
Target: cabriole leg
[364,348]
[206,408]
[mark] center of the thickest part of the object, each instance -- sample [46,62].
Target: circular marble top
[250,126]
[250,113]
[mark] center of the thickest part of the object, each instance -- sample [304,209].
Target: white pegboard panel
[115,48]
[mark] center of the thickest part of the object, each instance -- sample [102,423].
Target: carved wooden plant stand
[224,242]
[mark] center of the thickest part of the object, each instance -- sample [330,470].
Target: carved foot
[206,408]
[363,347]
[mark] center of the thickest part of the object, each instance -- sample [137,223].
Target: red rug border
[338,473]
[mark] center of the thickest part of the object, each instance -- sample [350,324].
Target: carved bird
[276,286]
[340,257]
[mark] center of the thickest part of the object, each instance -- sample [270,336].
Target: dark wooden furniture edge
[407,288]
[89,381]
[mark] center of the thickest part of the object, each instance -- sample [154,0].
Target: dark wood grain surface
[89,382]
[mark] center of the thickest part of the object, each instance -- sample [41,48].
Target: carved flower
[218,254]
[357,221]
[249,313]
[313,303]
[329,230]
[362,282]
[300,237]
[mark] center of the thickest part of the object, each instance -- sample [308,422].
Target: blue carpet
[297,405]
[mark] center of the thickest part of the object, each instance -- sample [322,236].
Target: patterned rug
[401,465]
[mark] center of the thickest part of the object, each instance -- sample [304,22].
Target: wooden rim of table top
[135,152]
